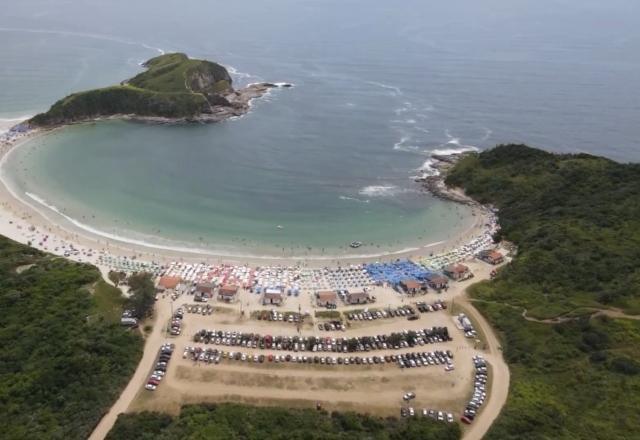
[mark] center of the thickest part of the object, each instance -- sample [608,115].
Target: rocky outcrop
[174,88]
[435,183]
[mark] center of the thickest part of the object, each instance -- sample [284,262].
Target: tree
[116,277]
[143,294]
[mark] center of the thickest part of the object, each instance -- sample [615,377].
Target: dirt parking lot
[375,389]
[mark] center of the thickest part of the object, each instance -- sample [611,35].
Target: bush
[64,360]
[234,421]
[574,219]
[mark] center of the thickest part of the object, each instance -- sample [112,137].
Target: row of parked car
[274,315]
[397,340]
[215,356]
[425,359]
[424,307]
[198,309]
[441,416]
[175,327]
[332,326]
[369,315]
[479,390]
[162,362]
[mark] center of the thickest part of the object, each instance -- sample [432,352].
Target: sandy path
[497,395]
[151,347]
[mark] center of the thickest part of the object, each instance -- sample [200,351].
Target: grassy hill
[65,357]
[173,86]
[576,222]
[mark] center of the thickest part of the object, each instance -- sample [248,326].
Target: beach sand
[47,231]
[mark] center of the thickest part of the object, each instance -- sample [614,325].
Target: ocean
[378,88]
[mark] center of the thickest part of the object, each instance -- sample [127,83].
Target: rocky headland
[173,89]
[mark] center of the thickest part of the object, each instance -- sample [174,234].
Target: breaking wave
[383,191]
[354,199]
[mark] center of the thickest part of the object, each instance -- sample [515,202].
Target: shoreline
[25,223]
[239,104]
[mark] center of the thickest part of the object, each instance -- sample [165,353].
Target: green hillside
[576,222]
[173,86]
[232,421]
[65,358]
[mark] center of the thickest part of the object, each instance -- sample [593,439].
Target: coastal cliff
[174,88]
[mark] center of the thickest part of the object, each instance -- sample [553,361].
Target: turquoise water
[378,88]
[198,186]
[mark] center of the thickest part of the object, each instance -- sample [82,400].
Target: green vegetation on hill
[176,73]
[576,222]
[64,356]
[232,421]
[173,86]
[143,294]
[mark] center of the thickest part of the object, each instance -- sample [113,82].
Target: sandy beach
[27,223]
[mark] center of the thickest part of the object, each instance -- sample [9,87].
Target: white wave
[395,91]
[7,123]
[427,169]
[244,76]
[184,249]
[111,236]
[453,146]
[401,145]
[194,250]
[383,191]
[406,107]
[449,151]
[157,49]
[354,199]
[84,35]
[16,119]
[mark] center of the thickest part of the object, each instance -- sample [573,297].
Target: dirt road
[499,391]
[151,346]
[338,388]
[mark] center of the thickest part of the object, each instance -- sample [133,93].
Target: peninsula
[174,88]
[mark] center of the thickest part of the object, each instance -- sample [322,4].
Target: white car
[150,387]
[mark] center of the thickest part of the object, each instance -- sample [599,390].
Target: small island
[174,88]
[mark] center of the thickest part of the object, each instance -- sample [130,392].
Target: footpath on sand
[151,346]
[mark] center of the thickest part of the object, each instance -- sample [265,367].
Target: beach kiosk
[205,289]
[437,281]
[457,272]
[227,292]
[491,256]
[326,298]
[168,283]
[272,297]
[361,297]
[412,286]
